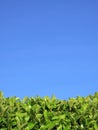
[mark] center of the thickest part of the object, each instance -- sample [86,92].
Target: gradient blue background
[48,47]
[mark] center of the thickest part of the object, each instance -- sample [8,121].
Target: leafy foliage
[46,113]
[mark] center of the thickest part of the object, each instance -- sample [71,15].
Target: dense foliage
[46,113]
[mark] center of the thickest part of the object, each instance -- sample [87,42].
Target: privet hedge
[46,113]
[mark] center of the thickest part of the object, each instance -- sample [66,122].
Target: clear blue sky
[48,47]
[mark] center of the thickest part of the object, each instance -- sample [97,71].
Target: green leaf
[30,126]
[60,127]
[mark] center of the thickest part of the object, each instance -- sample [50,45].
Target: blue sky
[48,48]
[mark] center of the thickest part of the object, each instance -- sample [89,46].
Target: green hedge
[46,113]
